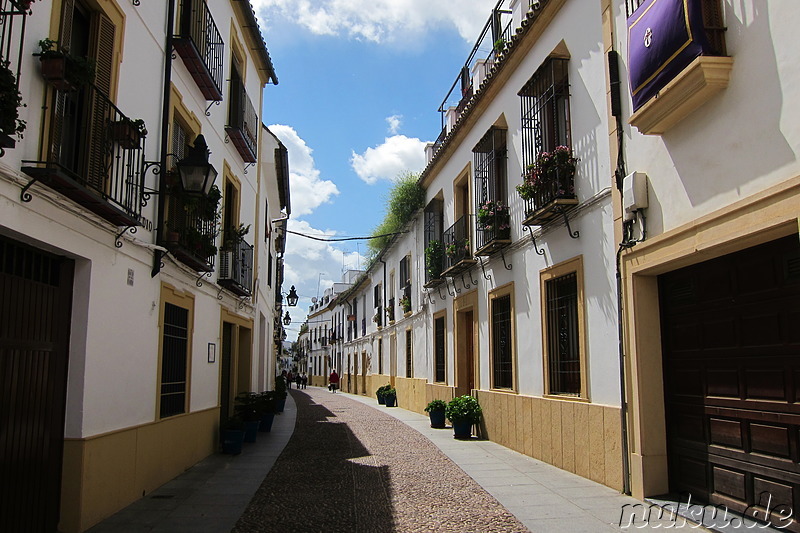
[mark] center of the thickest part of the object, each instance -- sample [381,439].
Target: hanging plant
[10,102]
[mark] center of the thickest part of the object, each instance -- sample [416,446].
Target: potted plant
[10,102]
[436,410]
[236,234]
[493,216]
[390,313]
[381,393]
[405,303]
[232,435]
[551,173]
[463,412]
[63,71]
[127,132]
[390,396]
[434,255]
[247,408]
[266,406]
[280,394]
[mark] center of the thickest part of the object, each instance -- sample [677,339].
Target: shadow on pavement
[325,480]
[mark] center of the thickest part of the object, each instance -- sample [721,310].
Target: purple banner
[664,36]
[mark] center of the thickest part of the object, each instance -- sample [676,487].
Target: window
[380,356]
[405,277]
[409,356]
[439,349]
[563,329]
[489,163]
[269,268]
[545,110]
[176,332]
[502,348]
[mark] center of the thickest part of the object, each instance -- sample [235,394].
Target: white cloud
[394,123]
[308,191]
[379,20]
[386,161]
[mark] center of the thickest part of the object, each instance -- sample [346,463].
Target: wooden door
[35,310]
[731,346]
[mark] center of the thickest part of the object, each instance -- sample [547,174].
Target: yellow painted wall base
[103,474]
[579,437]
[411,394]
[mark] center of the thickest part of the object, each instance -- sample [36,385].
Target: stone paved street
[349,467]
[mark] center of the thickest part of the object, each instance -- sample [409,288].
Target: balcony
[94,156]
[458,252]
[242,128]
[236,267]
[191,231]
[550,198]
[200,46]
[493,229]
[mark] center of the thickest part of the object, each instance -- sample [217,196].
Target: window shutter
[101,45]
[67,10]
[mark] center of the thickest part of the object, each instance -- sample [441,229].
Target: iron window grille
[490,167]
[439,349]
[502,364]
[200,45]
[409,355]
[562,335]
[545,110]
[174,350]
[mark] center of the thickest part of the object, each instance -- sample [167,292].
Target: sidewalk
[211,496]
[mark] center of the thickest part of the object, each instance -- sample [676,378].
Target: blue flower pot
[232,440]
[462,430]
[391,401]
[251,430]
[266,422]
[437,419]
[381,399]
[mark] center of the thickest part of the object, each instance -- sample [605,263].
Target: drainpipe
[162,189]
[383,311]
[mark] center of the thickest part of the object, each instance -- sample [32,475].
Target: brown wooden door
[731,345]
[35,307]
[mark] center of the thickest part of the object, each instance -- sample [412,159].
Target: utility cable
[346,238]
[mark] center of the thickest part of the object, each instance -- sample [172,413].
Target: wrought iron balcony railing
[457,247]
[190,232]
[94,156]
[492,232]
[200,45]
[236,267]
[242,126]
[550,198]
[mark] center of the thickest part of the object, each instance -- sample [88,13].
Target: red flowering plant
[493,214]
[549,167]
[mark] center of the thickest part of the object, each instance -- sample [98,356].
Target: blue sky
[360,82]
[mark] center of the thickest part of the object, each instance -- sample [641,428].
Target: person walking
[289,379]
[304,380]
[334,381]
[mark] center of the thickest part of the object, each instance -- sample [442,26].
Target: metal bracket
[487,278]
[455,287]
[242,301]
[474,281]
[428,294]
[464,283]
[219,293]
[199,281]
[447,286]
[208,112]
[117,237]
[248,165]
[533,240]
[137,3]
[574,234]
[439,290]
[24,195]
[503,255]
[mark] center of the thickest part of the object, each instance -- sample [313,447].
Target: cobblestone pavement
[351,468]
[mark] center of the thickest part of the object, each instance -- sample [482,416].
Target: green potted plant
[381,393]
[463,412]
[390,396]
[63,71]
[266,406]
[232,435]
[10,102]
[436,410]
[434,256]
[550,174]
[405,303]
[280,394]
[127,132]
[493,216]
[247,408]
[235,234]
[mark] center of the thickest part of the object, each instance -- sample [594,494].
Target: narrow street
[339,462]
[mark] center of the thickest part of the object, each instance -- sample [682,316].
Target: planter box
[54,71]
[125,134]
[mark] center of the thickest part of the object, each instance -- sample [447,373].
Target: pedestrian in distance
[304,380]
[298,380]
[334,381]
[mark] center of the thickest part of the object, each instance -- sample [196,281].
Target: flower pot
[251,430]
[407,314]
[232,440]
[279,405]
[54,71]
[462,430]
[266,422]
[381,399]
[391,401]
[125,134]
[437,418]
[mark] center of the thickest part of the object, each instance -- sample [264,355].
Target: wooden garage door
[35,302]
[731,345]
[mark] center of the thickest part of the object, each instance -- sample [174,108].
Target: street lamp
[197,174]
[287,319]
[292,297]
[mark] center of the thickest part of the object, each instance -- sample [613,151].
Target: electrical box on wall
[634,194]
